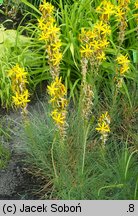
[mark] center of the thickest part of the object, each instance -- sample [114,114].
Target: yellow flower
[44,36]
[47,7]
[106,30]
[57,45]
[56,58]
[52,89]
[90,34]
[121,59]
[106,8]
[99,26]
[18,73]
[86,51]
[59,118]
[103,127]
[119,13]
[124,69]
[53,100]
[21,99]
[41,23]
[102,28]
[104,43]
[57,89]
[101,56]
[95,45]
[53,30]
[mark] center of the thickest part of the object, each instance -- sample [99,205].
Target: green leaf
[31,6]
[127,93]
[72,52]
[135,56]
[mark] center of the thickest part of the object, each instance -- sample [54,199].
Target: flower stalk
[50,34]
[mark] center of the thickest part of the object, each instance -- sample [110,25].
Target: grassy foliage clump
[79,167]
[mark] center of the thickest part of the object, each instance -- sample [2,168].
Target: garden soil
[15,182]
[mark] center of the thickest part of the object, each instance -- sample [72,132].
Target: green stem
[52,157]
[84,147]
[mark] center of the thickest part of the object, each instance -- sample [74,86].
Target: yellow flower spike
[50,34]
[108,11]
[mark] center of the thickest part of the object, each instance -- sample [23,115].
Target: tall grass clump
[83,143]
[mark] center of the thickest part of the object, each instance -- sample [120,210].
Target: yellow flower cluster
[121,17]
[106,9]
[18,78]
[50,33]
[123,64]
[58,92]
[94,42]
[103,126]
[123,61]
[93,45]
